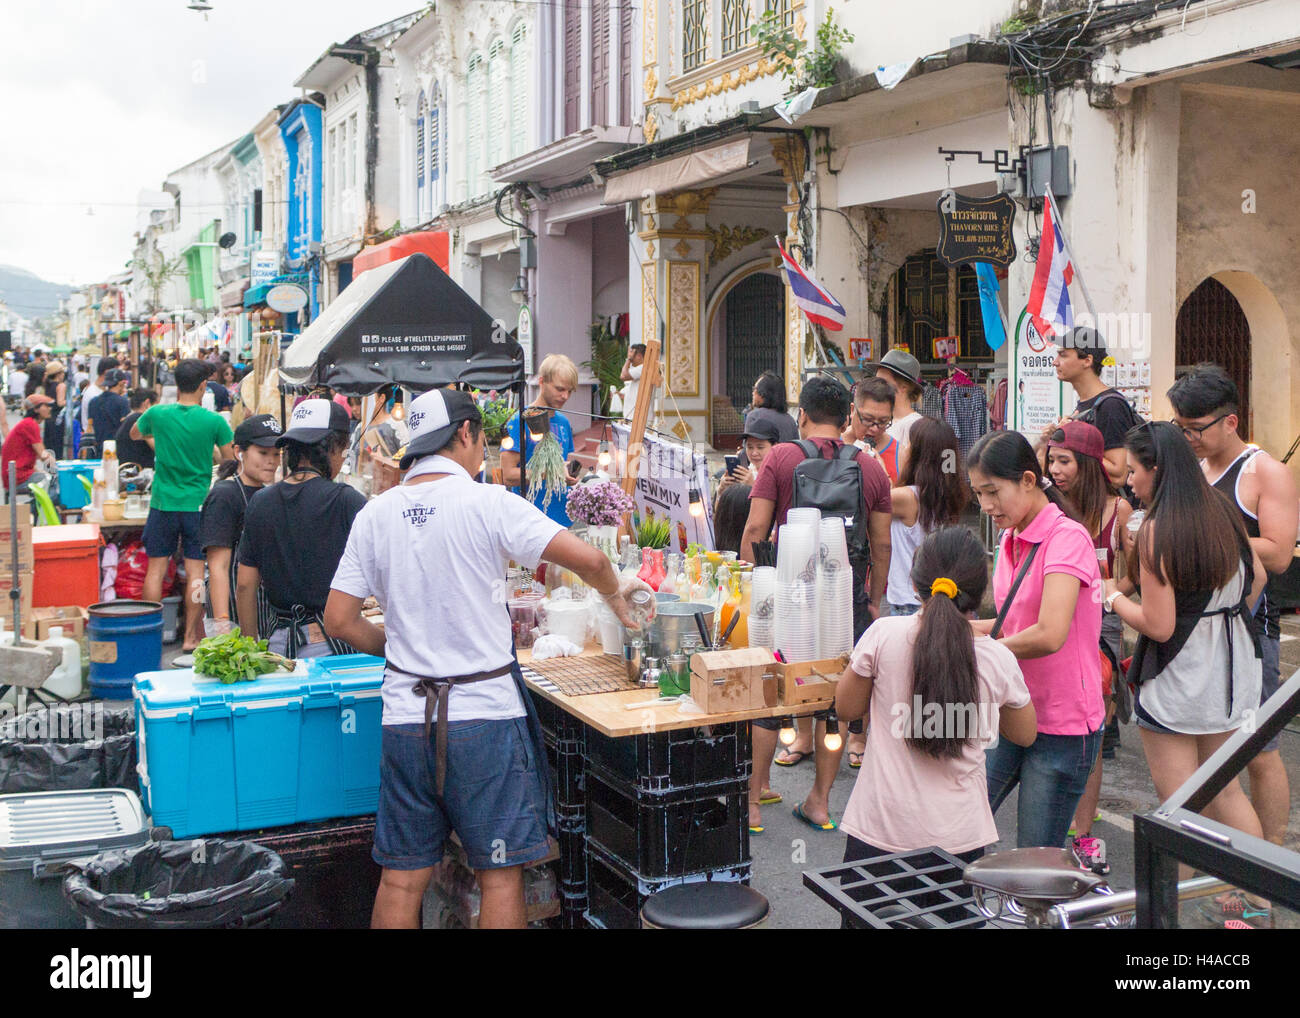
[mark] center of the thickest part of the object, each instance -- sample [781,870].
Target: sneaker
[1091,853]
[1233,912]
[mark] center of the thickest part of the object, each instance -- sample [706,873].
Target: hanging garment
[965,408]
[932,401]
[998,409]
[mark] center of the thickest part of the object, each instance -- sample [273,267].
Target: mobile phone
[575,467]
[731,463]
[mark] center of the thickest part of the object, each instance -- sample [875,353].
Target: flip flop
[770,799]
[855,764]
[792,759]
[799,814]
[756,830]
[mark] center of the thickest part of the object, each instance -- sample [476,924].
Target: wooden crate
[730,680]
[799,681]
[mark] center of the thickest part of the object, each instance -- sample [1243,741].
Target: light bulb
[603,457]
[788,732]
[697,503]
[507,444]
[833,742]
[398,413]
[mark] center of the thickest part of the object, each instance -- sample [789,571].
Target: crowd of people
[1093,519]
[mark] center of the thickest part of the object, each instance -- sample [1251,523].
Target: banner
[1037,397]
[668,471]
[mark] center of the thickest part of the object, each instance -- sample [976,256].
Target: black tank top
[1227,483]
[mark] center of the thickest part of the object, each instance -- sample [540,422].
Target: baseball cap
[1080,438]
[36,399]
[313,419]
[263,430]
[761,423]
[432,420]
[114,377]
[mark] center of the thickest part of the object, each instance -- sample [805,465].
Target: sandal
[799,814]
[769,798]
[756,830]
[792,759]
[855,759]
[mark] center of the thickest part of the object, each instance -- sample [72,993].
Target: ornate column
[789,152]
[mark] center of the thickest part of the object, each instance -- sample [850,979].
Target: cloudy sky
[101,98]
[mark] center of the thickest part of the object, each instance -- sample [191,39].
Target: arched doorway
[1212,327]
[748,323]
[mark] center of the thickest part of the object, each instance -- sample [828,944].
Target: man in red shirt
[23,447]
[823,409]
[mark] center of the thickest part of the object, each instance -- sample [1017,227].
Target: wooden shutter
[520,82]
[475,86]
[600,57]
[625,63]
[572,66]
[498,124]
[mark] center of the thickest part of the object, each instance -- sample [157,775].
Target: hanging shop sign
[524,336]
[286,298]
[976,229]
[1037,397]
[666,473]
[263,267]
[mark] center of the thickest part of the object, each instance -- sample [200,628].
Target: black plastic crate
[556,723]
[658,836]
[615,894]
[567,775]
[572,866]
[662,761]
[573,910]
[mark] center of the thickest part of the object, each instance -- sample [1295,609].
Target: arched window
[498,126]
[476,100]
[421,117]
[520,72]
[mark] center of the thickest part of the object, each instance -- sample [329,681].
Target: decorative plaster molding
[649,33]
[682,248]
[649,306]
[651,83]
[728,82]
[650,128]
[683,327]
[724,240]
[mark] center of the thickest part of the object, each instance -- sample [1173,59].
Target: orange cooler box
[67,565]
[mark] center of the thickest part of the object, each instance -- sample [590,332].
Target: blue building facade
[300,127]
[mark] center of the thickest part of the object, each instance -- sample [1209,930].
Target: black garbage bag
[198,884]
[69,746]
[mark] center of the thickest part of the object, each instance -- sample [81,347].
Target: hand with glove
[622,604]
[595,570]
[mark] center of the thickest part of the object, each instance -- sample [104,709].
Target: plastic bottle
[110,468]
[98,492]
[669,584]
[66,679]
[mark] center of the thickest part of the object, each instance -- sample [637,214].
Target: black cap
[315,419]
[263,430]
[761,423]
[433,418]
[115,377]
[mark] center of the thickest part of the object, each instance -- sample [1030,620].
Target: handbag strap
[1011,594]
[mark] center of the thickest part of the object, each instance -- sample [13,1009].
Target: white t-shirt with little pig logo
[434,555]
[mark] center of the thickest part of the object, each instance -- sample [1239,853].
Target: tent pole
[281,408]
[523,439]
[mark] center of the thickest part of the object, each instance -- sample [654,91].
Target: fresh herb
[234,658]
[547,476]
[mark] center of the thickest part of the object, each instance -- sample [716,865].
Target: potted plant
[601,506]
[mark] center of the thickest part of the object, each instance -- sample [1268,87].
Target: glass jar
[676,677]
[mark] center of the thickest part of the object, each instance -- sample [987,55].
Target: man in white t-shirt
[903,371]
[631,374]
[434,552]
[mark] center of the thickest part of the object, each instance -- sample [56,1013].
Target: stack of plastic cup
[810,515]
[834,591]
[762,607]
[797,550]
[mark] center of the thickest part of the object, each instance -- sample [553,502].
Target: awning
[256,295]
[232,294]
[679,173]
[433,243]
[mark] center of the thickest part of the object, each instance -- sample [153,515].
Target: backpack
[1089,416]
[834,486]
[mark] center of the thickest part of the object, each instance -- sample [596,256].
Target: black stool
[704,905]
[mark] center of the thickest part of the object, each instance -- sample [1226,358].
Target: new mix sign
[667,473]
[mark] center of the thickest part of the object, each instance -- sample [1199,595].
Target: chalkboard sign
[976,230]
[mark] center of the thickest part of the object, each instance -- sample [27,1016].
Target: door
[922,309]
[755,322]
[1212,328]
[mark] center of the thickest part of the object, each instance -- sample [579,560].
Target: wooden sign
[976,230]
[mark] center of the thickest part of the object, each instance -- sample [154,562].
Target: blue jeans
[1052,774]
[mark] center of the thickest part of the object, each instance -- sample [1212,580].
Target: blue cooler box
[278,750]
[72,493]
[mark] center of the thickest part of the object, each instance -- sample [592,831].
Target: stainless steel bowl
[673,621]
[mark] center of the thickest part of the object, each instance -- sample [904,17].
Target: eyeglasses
[871,423]
[1193,432]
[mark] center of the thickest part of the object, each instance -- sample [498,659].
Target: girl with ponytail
[939,693]
[1047,589]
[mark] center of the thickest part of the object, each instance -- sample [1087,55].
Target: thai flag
[820,307]
[1049,294]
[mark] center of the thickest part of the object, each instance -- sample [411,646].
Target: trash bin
[71,746]
[43,833]
[199,884]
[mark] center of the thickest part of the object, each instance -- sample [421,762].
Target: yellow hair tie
[943,585]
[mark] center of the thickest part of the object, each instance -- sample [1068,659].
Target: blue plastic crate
[281,749]
[72,493]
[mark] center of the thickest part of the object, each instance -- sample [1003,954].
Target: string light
[603,457]
[788,732]
[833,740]
[697,503]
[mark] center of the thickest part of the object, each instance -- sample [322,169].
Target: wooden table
[111,526]
[645,798]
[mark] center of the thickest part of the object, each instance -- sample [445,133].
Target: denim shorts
[493,797]
[165,527]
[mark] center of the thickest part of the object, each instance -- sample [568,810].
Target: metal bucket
[125,638]
[674,620]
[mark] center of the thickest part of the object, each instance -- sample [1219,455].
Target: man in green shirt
[186,440]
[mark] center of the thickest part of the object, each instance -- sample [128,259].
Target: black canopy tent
[405,323]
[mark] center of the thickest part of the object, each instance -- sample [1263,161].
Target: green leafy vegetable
[235,658]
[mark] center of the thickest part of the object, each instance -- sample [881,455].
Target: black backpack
[1089,416]
[834,486]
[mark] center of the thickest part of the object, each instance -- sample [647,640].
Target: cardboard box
[804,681]
[729,680]
[25,557]
[72,618]
[7,605]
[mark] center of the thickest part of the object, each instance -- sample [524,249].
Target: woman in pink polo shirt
[1052,625]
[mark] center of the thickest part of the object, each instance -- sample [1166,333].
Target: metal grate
[1212,327]
[922,889]
[755,334]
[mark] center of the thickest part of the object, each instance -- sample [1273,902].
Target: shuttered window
[475,87]
[498,124]
[435,137]
[421,116]
[572,66]
[625,63]
[520,88]
[600,58]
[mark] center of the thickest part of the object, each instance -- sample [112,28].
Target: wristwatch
[1109,604]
